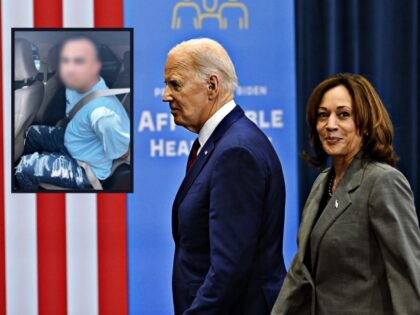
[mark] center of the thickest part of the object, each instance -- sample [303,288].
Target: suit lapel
[328,216]
[201,160]
[310,213]
[338,203]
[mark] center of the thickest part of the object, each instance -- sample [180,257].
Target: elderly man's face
[186,94]
[79,65]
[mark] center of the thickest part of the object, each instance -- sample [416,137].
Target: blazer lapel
[309,215]
[338,203]
[205,153]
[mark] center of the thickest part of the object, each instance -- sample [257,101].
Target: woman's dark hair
[370,116]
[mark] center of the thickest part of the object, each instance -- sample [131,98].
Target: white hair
[209,58]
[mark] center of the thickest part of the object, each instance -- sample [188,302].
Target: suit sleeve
[236,204]
[296,293]
[395,224]
[295,297]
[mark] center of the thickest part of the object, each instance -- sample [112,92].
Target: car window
[37,58]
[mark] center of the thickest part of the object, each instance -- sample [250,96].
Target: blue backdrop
[259,36]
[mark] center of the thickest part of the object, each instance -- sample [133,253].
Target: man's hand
[126,156]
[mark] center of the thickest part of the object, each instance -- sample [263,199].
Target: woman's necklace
[330,185]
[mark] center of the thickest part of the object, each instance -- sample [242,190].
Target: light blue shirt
[99,132]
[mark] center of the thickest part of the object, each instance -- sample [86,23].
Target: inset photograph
[72,110]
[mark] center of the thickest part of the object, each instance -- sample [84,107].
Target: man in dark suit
[228,214]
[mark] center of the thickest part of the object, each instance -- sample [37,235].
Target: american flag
[59,253]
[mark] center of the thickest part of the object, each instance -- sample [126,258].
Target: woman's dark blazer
[364,248]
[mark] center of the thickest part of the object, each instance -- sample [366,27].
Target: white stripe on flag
[82,254]
[78,13]
[81,219]
[20,213]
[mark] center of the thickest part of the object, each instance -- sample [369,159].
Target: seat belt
[93,180]
[90,97]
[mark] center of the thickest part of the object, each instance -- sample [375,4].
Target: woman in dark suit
[359,238]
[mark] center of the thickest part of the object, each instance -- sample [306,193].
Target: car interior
[39,95]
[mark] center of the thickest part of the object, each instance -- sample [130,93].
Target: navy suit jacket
[227,224]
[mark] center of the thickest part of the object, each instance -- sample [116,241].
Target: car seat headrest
[52,59]
[24,60]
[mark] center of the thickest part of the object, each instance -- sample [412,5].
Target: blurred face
[336,126]
[187,95]
[79,65]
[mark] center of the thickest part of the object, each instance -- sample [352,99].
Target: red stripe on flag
[48,13]
[51,215]
[112,219]
[2,227]
[112,254]
[51,238]
[109,13]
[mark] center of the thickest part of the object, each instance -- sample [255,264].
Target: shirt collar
[211,124]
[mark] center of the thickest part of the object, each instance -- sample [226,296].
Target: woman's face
[336,126]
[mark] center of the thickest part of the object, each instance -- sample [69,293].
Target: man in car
[98,134]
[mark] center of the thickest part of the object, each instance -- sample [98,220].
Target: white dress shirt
[211,124]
